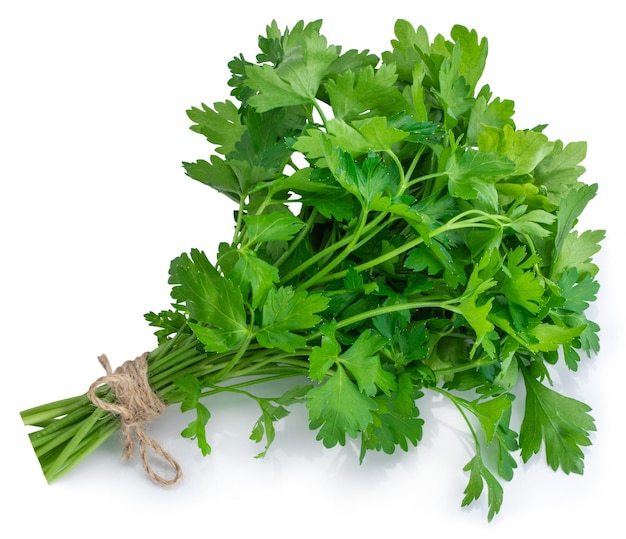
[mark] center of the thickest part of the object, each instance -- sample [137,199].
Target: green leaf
[421,258]
[396,420]
[434,258]
[264,427]
[216,174]
[563,425]
[337,408]
[521,287]
[469,55]
[507,443]
[190,387]
[496,113]
[576,252]
[454,93]
[276,92]
[490,412]
[336,207]
[475,314]
[577,293]
[362,361]
[480,475]
[569,210]
[475,172]
[352,60]
[250,272]
[525,148]
[368,180]
[369,91]
[285,311]
[323,357]
[559,171]
[589,339]
[549,337]
[211,300]
[509,368]
[296,80]
[275,226]
[168,322]
[220,125]
[531,222]
[408,49]
[346,137]
[379,135]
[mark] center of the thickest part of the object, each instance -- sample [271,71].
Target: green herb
[395,234]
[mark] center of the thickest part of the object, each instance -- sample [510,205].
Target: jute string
[136,404]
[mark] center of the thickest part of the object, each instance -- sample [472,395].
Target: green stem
[465,367]
[70,449]
[458,403]
[319,276]
[41,416]
[87,446]
[387,309]
[409,171]
[238,227]
[319,110]
[453,224]
[234,360]
[293,245]
[403,177]
[280,360]
[424,178]
[328,251]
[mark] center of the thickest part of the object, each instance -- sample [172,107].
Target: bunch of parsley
[395,233]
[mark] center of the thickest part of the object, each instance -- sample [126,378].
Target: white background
[94,204]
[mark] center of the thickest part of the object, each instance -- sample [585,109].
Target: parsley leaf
[285,311]
[212,301]
[191,388]
[274,226]
[563,425]
[296,79]
[480,475]
[221,125]
[337,408]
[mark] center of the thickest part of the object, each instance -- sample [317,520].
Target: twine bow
[136,404]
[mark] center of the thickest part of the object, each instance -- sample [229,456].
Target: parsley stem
[458,403]
[238,226]
[387,309]
[466,367]
[229,366]
[304,232]
[89,443]
[424,178]
[236,387]
[395,159]
[41,416]
[341,256]
[409,171]
[68,450]
[328,251]
[476,222]
[320,111]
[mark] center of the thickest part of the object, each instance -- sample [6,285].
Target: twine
[136,404]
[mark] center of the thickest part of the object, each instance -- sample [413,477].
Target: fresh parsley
[395,233]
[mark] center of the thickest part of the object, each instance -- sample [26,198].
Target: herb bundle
[394,234]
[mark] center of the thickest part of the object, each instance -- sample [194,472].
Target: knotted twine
[136,404]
